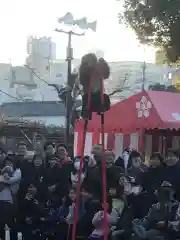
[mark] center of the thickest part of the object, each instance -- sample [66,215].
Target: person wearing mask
[76,169]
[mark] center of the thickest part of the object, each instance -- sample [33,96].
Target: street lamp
[82,23]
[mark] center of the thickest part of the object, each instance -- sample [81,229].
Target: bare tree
[120,87]
[76,91]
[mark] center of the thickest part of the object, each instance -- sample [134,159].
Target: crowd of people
[38,194]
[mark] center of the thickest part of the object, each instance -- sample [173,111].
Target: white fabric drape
[134,140]
[105,140]
[118,144]
[175,142]
[88,144]
[75,143]
[148,147]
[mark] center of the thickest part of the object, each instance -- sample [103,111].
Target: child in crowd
[98,222]
[81,206]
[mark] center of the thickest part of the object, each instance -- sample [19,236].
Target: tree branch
[115,91]
[120,87]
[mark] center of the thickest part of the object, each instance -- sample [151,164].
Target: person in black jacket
[150,180]
[161,217]
[31,212]
[93,180]
[133,164]
[55,181]
[172,170]
[153,177]
[49,150]
[37,176]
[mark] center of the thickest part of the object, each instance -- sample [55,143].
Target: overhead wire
[9,95]
[19,99]
[35,74]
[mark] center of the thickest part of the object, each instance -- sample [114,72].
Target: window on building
[58,75]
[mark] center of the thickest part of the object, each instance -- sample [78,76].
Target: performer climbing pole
[92,72]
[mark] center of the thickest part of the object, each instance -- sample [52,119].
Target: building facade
[47,112]
[27,82]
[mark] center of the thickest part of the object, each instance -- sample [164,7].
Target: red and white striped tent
[148,121]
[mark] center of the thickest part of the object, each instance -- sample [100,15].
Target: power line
[19,99]
[35,74]
[59,91]
[9,95]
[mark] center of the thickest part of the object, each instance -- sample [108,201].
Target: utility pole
[82,23]
[143,75]
[69,102]
[144,66]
